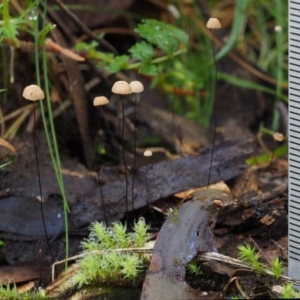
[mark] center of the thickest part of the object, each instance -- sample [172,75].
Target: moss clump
[111,266]
[10,292]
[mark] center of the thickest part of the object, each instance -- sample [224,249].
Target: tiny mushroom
[136,86]
[33,93]
[278,137]
[101,100]
[277,28]
[121,88]
[148,153]
[213,23]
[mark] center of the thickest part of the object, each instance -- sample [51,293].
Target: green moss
[111,266]
[10,292]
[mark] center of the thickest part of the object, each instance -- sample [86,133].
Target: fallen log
[164,179]
[83,194]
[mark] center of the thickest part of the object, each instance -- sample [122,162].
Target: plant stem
[157,60]
[53,150]
[123,153]
[4,75]
[109,60]
[215,110]
[5,12]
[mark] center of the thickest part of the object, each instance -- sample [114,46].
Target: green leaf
[120,62]
[240,82]
[142,51]
[177,33]
[166,37]
[148,69]
[263,158]
[194,268]
[1,166]
[10,31]
[239,20]
[87,47]
[277,268]
[42,34]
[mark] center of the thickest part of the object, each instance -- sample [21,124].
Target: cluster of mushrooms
[122,88]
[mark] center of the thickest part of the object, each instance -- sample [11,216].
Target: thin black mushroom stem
[213,24]
[136,87]
[40,253]
[99,101]
[34,93]
[147,154]
[123,88]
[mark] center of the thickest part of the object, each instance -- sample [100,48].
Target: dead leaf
[24,271]
[52,46]
[7,145]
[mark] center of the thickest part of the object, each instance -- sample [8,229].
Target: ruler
[294,140]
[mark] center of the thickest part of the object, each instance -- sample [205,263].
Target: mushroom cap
[148,153]
[278,137]
[100,100]
[136,86]
[121,88]
[213,23]
[277,28]
[33,93]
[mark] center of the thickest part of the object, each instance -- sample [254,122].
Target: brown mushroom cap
[136,86]
[148,153]
[33,93]
[101,100]
[121,88]
[213,23]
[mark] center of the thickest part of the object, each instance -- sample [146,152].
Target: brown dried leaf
[52,46]
[7,145]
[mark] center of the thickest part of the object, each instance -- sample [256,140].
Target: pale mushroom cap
[33,93]
[148,153]
[136,86]
[101,100]
[213,23]
[278,137]
[278,28]
[121,88]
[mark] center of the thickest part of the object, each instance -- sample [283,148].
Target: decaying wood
[24,271]
[235,264]
[164,179]
[257,216]
[185,233]
[184,135]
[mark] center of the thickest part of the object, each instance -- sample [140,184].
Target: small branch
[85,29]
[261,251]
[50,46]
[269,195]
